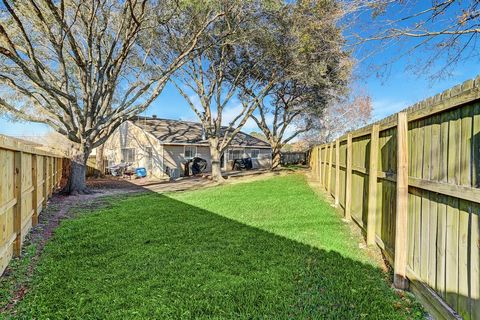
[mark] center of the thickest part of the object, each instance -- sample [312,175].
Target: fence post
[400,264]
[330,159]
[45,185]
[59,172]
[50,175]
[348,178]
[372,185]
[35,190]
[54,173]
[337,172]
[324,164]
[319,163]
[62,163]
[17,213]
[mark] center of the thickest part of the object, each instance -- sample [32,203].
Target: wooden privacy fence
[293,158]
[28,176]
[411,183]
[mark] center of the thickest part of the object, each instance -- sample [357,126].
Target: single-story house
[163,146]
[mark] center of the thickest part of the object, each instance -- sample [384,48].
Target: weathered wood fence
[293,158]
[411,183]
[28,176]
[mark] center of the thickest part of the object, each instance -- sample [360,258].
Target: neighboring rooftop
[170,131]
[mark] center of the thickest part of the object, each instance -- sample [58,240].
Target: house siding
[169,157]
[130,136]
[174,157]
[263,161]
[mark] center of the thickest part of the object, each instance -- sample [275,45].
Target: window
[128,154]
[190,152]
[148,158]
[254,153]
[235,154]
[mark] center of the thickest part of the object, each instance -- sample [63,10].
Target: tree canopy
[84,67]
[295,55]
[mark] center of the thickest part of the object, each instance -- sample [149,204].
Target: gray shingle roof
[175,131]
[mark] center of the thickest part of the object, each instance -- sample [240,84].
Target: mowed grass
[269,249]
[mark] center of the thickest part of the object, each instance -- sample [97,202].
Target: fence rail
[411,183]
[28,176]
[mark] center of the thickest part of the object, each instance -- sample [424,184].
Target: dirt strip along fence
[411,183]
[28,177]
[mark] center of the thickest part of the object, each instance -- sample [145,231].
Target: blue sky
[390,94]
[400,90]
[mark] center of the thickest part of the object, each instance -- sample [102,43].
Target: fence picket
[424,213]
[21,188]
[337,172]
[372,185]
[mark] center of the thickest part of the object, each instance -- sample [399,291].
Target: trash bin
[141,172]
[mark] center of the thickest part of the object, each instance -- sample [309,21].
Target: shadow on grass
[151,256]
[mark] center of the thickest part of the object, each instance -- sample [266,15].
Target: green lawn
[269,249]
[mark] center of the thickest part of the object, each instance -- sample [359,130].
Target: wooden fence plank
[400,263]
[330,159]
[17,215]
[441,245]
[475,263]
[35,193]
[410,231]
[348,183]
[45,182]
[463,259]
[432,241]
[372,186]
[424,234]
[20,181]
[428,226]
[476,146]
[324,159]
[475,229]
[451,265]
[465,212]
[50,176]
[322,165]
[319,164]
[337,172]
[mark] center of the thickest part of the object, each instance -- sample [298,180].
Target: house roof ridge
[166,127]
[139,118]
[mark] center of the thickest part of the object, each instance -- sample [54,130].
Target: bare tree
[434,36]
[344,116]
[285,115]
[215,77]
[301,145]
[212,89]
[84,67]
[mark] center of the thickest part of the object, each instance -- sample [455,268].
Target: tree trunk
[99,161]
[76,183]
[215,154]
[276,157]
